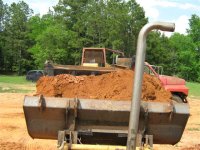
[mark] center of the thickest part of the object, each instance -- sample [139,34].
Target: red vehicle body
[175,85]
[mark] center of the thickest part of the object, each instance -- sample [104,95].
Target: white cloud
[180,5]
[164,3]
[151,7]
[182,23]
[39,6]
[42,7]
[189,6]
[150,11]
[167,3]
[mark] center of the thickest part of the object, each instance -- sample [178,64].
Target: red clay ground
[13,132]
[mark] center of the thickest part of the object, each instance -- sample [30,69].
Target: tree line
[28,40]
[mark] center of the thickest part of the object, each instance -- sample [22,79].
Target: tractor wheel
[177,98]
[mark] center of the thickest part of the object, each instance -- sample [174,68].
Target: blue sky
[177,11]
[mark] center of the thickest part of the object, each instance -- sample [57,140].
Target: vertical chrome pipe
[139,69]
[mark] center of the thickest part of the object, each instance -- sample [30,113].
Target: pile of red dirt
[115,85]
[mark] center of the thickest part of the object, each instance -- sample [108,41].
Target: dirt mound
[195,147]
[116,86]
[11,146]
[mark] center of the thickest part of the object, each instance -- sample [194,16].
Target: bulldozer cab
[99,57]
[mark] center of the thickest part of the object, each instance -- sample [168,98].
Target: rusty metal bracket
[69,136]
[66,137]
[61,139]
[171,114]
[139,142]
[146,118]
[148,141]
[144,141]
[71,114]
[41,103]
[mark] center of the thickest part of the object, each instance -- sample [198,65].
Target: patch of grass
[15,84]
[193,129]
[14,90]
[194,89]
[14,79]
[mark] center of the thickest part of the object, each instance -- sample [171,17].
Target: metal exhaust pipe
[139,69]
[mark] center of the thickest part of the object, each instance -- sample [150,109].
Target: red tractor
[175,85]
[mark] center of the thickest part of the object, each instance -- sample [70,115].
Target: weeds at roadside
[14,90]
[193,129]
[15,84]
[193,90]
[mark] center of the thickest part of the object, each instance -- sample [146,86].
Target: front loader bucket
[103,121]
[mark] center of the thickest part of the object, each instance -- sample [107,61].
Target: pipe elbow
[163,26]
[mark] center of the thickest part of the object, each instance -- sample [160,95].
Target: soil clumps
[113,86]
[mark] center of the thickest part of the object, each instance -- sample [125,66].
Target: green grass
[194,129]
[15,84]
[194,89]
[14,79]
[14,90]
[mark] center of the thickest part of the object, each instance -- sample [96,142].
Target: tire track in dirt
[14,135]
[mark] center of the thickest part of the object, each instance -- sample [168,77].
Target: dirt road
[13,133]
